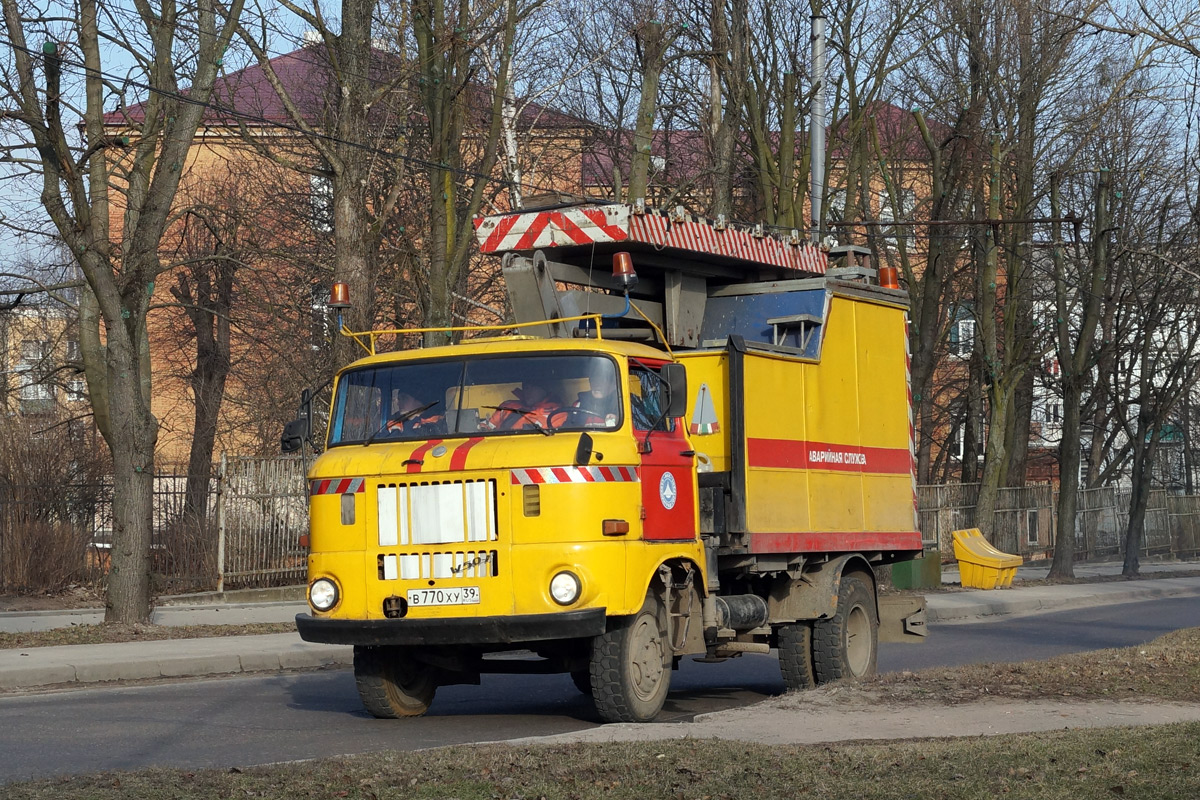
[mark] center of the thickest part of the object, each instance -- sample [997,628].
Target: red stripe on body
[458,460]
[834,541]
[799,454]
[418,455]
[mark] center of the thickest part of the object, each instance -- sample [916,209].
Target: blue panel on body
[746,316]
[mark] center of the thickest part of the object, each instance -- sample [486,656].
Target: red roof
[247,95]
[686,154]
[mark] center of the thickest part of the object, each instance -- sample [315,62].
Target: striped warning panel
[621,224]
[336,486]
[701,235]
[561,228]
[522,477]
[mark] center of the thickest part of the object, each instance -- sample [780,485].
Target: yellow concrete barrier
[981,566]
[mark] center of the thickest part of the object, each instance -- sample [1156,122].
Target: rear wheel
[794,643]
[846,645]
[630,667]
[392,684]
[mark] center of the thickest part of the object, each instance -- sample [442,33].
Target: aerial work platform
[655,238]
[693,274]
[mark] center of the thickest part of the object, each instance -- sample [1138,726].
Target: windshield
[476,396]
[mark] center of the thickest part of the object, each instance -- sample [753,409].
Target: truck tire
[391,684]
[847,644]
[630,665]
[794,643]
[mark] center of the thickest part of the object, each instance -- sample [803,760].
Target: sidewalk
[35,667]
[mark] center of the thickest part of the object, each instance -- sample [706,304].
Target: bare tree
[121,266]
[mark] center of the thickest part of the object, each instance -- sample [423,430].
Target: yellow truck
[712,461]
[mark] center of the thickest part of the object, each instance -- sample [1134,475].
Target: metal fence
[1025,521]
[246,531]
[243,532]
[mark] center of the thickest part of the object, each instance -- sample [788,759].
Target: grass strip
[110,634]
[1146,763]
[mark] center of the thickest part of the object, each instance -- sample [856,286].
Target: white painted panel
[460,558]
[425,571]
[437,514]
[402,513]
[479,515]
[410,567]
[493,534]
[443,564]
[389,568]
[387,516]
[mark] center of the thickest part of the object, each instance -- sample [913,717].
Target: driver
[601,400]
[531,409]
[403,404]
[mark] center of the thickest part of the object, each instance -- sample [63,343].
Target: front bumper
[473,630]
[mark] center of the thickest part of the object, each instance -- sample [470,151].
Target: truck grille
[436,512]
[454,564]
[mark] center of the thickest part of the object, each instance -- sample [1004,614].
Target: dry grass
[108,634]
[1161,762]
[1167,668]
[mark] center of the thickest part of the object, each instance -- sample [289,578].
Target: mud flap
[902,619]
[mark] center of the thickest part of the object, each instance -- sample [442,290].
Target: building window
[76,384]
[321,202]
[1053,412]
[320,324]
[1031,527]
[36,394]
[962,330]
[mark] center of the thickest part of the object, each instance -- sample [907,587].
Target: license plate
[458,596]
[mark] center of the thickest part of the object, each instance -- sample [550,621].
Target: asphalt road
[244,721]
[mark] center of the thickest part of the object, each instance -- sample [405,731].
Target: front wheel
[630,666]
[846,645]
[391,684]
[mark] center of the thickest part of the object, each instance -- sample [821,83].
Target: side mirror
[295,433]
[583,451]
[675,380]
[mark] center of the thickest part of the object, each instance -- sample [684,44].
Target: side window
[645,400]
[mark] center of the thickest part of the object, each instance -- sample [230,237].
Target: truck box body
[813,438]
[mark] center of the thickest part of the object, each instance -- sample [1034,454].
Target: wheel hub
[647,658]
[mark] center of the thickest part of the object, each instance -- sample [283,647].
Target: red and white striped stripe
[562,228]
[337,486]
[618,223]
[700,235]
[524,477]
[912,428]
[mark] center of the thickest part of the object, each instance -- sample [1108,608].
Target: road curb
[968,606]
[39,667]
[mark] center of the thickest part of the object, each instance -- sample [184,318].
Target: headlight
[323,594]
[565,588]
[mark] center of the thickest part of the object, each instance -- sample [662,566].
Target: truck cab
[507,494]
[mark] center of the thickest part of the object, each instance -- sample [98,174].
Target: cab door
[667,471]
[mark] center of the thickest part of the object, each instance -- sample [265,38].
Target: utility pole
[816,128]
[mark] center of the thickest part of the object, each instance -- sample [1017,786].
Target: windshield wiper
[401,418]
[527,413]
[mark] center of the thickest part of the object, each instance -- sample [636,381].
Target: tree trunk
[135,433]
[653,48]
